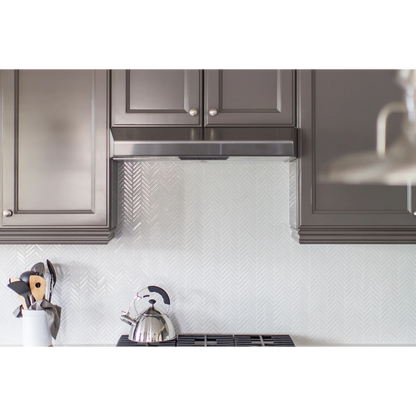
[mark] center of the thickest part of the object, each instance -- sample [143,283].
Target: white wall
[216,237]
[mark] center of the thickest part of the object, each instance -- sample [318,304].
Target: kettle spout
[125,317]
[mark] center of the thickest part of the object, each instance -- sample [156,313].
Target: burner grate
[214,340]
[263,341]
[202,340]
[125,342]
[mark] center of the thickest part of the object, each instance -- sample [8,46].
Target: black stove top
[210,340]
[263,341]
[215,340]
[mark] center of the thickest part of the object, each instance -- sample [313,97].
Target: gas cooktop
[215,340]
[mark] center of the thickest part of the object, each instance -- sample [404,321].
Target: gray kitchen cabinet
[249,97]
[337,116]
[156,98]
[162,98]
[56,175]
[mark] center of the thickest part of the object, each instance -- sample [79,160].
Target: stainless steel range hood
[219,143]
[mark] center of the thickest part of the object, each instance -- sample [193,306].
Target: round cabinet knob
[213,112]
[7,213]
[193,112]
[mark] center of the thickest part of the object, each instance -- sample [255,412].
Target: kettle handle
[161,292]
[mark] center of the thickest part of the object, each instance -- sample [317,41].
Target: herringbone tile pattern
[216,237]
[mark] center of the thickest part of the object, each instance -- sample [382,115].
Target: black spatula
[24,277]
[22,289]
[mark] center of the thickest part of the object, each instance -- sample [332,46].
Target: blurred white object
[393,166]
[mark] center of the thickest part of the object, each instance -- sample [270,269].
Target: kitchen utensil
[22,289]
[37,286]
[38,268]
[52,282]
[24,277]
[21,298]
[151,325]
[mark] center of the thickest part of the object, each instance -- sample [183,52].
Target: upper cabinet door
[249,97]
[338,117]
[54,148]
[156,98]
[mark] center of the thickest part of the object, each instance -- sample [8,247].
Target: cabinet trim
[356,235]
[57,236]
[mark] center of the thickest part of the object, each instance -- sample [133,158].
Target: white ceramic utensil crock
[36,331]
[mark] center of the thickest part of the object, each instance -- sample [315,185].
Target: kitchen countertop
[298,346]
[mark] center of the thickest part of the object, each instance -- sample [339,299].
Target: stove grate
[202,340]
[215,340]
[263,341]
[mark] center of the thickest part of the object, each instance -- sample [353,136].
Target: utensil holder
[36,331]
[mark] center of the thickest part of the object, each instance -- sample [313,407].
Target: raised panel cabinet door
[55,148]
[156,98]
[338,113]
[249,97]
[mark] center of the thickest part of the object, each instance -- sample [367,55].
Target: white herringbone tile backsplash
[216,236]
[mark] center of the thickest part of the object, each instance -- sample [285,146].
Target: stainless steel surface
[52,281]
[7,213]
[125,317]
[203,149]
[213,112]
[193,112]
[151,325]
[237,142]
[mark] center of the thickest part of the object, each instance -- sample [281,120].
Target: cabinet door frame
[98,215]
[283,115]
[305,184]
[122,116]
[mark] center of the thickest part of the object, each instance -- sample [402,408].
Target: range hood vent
[216,143]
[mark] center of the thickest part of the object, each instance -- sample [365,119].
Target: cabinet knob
[7,213]
[213,112]
[193,112]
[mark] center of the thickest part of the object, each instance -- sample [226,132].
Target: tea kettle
[151,325]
